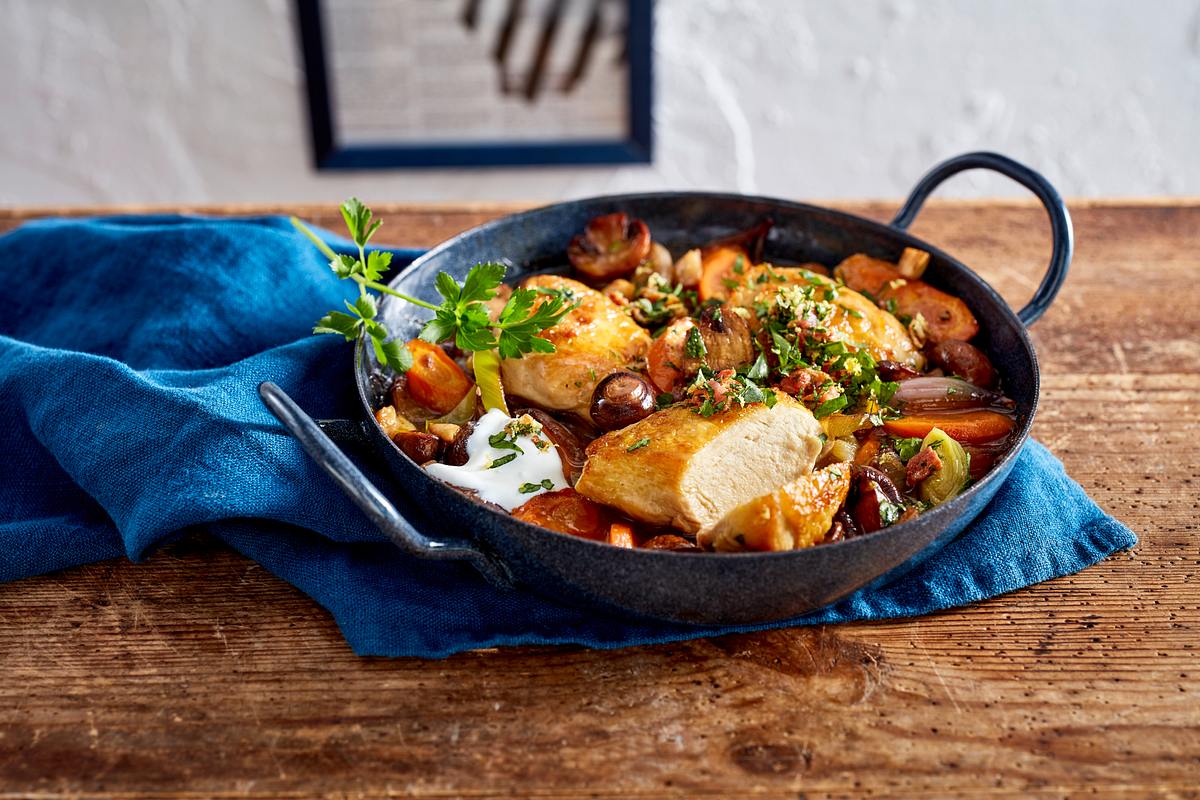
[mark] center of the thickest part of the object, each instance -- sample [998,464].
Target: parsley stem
[379,287]
[307,231]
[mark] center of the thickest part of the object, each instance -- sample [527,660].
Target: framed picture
[438,83]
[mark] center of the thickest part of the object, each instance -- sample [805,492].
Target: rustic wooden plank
[197,674]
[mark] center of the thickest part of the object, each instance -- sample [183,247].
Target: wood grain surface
[197,674]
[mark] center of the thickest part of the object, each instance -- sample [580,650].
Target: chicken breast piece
[856,320]
[592,341]
[796,515]
[678,468]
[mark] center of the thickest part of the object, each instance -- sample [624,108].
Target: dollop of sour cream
[504,456]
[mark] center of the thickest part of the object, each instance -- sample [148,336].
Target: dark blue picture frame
[636,148]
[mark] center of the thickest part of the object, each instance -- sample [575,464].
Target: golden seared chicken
[795,515]
[591,342]
[855,319]
[678,468]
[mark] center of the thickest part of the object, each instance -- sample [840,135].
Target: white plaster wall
[164,101]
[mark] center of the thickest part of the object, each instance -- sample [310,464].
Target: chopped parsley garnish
[889,512]
[739,265]
[500,441]
[830,406]
[730,283]
[530,488]
[638,445]
[693,346]
[502,460]
[906,448]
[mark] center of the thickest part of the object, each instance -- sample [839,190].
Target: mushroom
[621,399]
[611,246]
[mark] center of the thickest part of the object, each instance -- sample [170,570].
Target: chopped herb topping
[530,488]
[693,346]
[906,448]
[502,460]
[638,445]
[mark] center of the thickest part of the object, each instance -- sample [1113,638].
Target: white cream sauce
[502,484]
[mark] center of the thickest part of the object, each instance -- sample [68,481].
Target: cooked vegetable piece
[964,360]
[869,448]
[912,263]
[434,380]
[391,422]
[669,541]
[930,394]
[445,431]
[621,399]
[878,503]
[719,271]
[945,316]
[421,447]
[969,426]
[796,515]
[689,269]
[865,274]
[611,246]
[486,366]
[566,511]
[949,480]
[621,535]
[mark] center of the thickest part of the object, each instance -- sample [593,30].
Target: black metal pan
[706,588]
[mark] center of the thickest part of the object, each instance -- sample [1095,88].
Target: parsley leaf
[693,346]
[638,445]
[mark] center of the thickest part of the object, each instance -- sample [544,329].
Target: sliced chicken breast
[678,468]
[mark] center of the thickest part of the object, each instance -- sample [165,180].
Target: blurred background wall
[196,101]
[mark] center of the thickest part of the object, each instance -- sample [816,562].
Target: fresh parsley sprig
[462,316]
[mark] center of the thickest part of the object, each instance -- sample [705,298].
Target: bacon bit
[809,385]
[921,466]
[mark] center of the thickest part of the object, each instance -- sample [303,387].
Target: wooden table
[198,674]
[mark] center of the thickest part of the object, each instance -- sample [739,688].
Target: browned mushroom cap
[456,453]
[964,360]
[611,246]
[620,400]
[421,447]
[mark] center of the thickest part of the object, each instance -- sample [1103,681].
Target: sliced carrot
[434,380]
[566,511]
[621,535]
[971,426]
[719,271]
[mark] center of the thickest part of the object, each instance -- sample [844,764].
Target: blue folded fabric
[131,349]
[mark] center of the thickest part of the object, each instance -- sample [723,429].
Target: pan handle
[367,497]
[1060,219]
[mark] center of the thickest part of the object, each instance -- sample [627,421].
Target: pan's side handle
[367,497]
[1060,219]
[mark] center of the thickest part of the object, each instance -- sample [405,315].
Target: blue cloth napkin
[130,353]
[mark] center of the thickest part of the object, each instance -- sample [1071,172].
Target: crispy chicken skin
[856,319]
[793,516]
[692,470]
[591,342]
